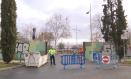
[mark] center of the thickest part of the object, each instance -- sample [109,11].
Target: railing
[72,59]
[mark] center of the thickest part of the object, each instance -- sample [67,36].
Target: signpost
[125,36]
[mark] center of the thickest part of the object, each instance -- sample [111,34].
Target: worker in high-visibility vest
[52,53]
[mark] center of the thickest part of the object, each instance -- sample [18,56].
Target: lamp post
[89,12]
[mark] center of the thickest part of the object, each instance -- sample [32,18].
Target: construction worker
[52,53]
[81,51]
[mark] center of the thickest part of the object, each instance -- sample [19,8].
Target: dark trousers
[52,59]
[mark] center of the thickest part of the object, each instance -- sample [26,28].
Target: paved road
[72,72]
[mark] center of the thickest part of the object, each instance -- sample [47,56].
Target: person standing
[52,53]
[81,51]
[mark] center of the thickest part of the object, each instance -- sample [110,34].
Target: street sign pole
[124,37]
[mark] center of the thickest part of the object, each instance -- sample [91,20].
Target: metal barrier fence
[105,60]
[72,59]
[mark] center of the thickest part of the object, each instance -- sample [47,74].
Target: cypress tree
[121,25]
[105,20]
[8,26]
[114,22]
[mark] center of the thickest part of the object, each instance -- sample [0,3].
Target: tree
[0,27]
[47,37]
[61,46]
[105,21]
[59,27]
[121,25]
[97,25]
[21,38]
[8,25]
[27,31]
[114,22]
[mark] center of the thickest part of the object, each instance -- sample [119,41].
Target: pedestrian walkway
[72,72]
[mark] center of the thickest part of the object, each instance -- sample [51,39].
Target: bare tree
[97,24]
[59,26]
[27,31]
[61,45]
[46,37]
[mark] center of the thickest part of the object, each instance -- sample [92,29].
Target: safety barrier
[105,60]
[72,59]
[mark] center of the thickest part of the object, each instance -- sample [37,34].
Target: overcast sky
[38,11]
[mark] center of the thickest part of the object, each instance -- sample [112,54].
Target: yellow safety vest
[52,52]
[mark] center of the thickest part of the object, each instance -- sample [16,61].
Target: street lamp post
[90,25]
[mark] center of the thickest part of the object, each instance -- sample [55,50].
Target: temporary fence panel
[105,60]
[72,59]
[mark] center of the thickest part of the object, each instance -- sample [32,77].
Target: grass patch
[12,64]
[126,62]
[3,65]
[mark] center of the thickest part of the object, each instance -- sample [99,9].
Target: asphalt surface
[89,71]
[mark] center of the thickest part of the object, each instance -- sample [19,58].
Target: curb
[13,67]
[129,65]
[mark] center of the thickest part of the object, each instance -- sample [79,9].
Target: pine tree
[8,26]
